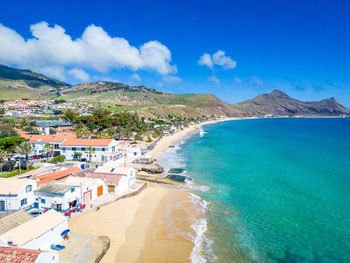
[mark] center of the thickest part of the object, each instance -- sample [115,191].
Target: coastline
[165,142]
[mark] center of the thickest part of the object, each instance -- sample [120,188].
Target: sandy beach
[115,219]
[150,226]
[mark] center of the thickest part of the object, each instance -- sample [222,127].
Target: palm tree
[90,150]
[25,148]
[47,150]
[2,158]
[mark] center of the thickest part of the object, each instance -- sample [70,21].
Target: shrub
[58,158]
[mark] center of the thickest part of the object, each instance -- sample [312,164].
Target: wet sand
[170,236]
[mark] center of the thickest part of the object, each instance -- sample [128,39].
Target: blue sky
[300,47]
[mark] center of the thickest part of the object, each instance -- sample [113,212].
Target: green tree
[78,155]
[2,159]
[9,121]
[82,131]
[70,115]
[8,144]
[47,150]
[25,148]
[90,150]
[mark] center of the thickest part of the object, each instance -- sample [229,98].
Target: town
[59,161]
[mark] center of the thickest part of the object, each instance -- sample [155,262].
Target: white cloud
[172,79]
[79,74]
[214,79]
[238,80]
[218,58]
[53,47]
[206,60]
[136,77]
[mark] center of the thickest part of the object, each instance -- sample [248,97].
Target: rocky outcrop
[153,169]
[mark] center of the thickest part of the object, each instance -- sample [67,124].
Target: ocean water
[275,190]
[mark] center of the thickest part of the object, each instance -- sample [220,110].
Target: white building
[116,184]
[127,172]
[38,233]
[58,196]
[40,141]
[91,188]
[104,150]
[16,194]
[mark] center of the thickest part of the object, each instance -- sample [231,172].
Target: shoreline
[165,142]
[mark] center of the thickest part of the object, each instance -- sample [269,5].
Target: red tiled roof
[50,177]
[18,255]
[107,178]
[86,142]
[61,136]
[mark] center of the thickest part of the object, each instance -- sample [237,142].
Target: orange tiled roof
[15,254]
[86,142]
[61,136]
[50,177]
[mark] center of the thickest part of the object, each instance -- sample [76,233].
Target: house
[40,141]
[116,184]
[17,254]
[91,187]
[16,194]
[104,149]
[58,196]
[38,232]
[127,172]
[33,173]
[55,176]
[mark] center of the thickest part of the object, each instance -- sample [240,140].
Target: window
[43,201]
[2,205]
[72,190]
[28,188]
[74,149]
[103,149]
[23,201]
[83,149]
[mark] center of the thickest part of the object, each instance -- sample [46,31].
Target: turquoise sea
[278,190]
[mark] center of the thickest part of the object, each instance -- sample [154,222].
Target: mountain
[20,83]
[146,100]
[279,103]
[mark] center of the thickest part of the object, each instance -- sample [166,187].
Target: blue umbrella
[65,232]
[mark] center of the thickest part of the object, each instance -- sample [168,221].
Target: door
[87,197]
[111,188]
[100,190]
[36,205]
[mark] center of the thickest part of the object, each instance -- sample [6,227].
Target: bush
[58,158]
[133,143]
[149,139]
